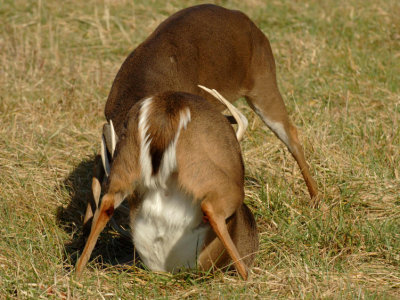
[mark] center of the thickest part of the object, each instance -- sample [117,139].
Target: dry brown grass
[338,68]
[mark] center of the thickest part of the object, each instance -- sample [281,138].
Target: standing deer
[178,161]
[212,46]
[208,45]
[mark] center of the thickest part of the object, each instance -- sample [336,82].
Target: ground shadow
[112,247]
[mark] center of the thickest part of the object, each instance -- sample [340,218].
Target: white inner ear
[113,138]
[104,158]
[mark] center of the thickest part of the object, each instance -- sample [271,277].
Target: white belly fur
[168,231]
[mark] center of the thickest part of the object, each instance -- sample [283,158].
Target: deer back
[205,44]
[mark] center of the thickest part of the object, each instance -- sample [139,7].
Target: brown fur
[210,168]
[243,230]
[175,58]
[209,45]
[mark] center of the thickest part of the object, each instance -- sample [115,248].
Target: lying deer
[178,162]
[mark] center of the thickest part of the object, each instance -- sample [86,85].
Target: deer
[205,45]
[178,162]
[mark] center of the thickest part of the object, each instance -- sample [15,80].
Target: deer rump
[186,147]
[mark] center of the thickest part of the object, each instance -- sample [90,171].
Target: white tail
[109,135]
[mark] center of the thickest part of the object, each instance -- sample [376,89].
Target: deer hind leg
[97,179]
[267,102]
[216,211]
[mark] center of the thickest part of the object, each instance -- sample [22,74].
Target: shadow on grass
[111,247]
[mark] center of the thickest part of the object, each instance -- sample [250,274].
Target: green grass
[338,70]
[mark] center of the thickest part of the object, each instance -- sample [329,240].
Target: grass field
[338,68]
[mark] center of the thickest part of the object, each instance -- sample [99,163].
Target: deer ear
[114,138]
[109,141]
[104,156]
[110,137]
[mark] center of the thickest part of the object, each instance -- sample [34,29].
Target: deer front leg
[100,219]
[268,104]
